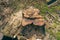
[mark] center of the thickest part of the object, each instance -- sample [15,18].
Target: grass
[58,35]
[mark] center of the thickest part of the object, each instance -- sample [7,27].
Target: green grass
[58,35]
